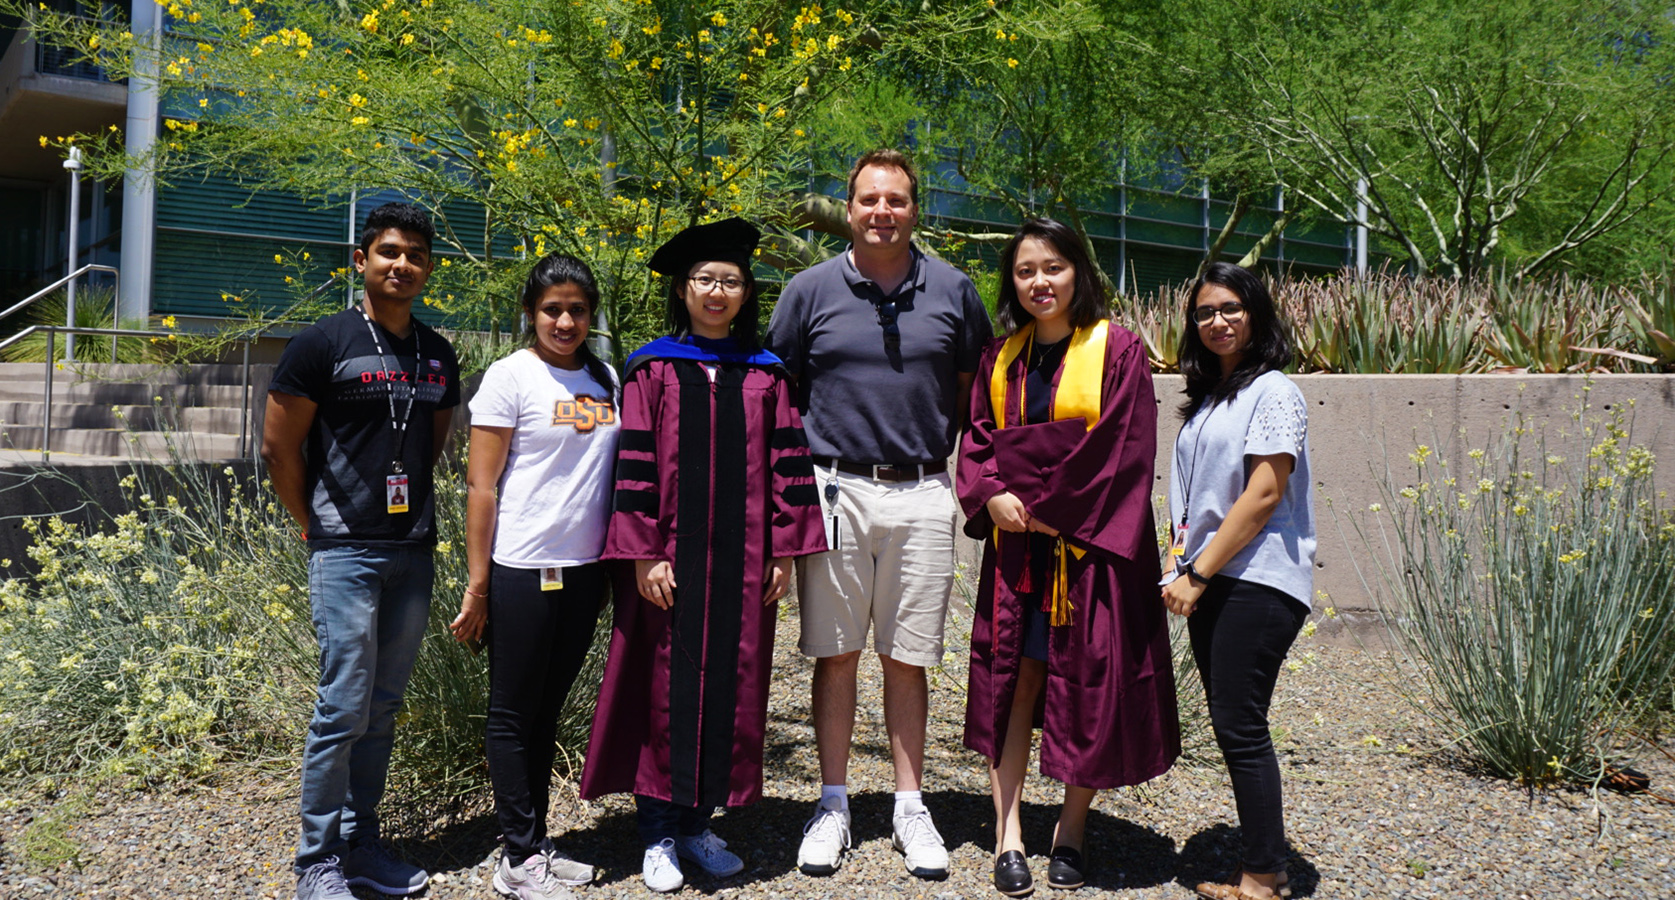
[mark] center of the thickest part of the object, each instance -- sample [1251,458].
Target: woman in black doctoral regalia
[714,494]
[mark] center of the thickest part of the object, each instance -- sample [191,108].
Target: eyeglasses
[887,318]
[728,285]
[1229,312]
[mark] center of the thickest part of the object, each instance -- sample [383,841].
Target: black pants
[537,641]
[1240,634]
[659,819]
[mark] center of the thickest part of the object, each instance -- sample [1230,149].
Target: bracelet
[476,593]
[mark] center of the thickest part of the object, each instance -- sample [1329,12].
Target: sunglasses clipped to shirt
[887,318]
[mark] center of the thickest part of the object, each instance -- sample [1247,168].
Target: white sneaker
[661,869]
[825,837]
[563,869]
[707,851]
[919,843]
[530,881]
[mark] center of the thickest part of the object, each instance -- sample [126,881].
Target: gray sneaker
[370,863]
[530,881]
[563,869]
[323,881]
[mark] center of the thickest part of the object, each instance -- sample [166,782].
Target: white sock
[840,791]
[909,802]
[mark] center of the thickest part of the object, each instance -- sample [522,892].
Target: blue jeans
[370,611]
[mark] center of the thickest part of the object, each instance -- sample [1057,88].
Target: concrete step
[122,444]
[213,419]
[124,393]
[209,374]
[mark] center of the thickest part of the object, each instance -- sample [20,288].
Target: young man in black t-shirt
[358,410]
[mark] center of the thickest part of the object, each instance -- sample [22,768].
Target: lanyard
[399,423]
[1186,483]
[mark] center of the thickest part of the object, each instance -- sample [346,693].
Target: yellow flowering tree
[597,127]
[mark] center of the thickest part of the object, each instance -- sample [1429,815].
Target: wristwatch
[1192,573]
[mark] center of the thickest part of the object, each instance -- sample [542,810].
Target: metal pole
[46,411]
[1361,226]
[244,414]
[354,241]
[73,165]
[1122,225]
[139,186]
[1279,209]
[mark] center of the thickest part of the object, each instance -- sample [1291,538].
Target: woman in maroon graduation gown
[1055,473]
[714,492]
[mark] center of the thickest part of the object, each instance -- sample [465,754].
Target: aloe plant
[1650,318]
[93,310]
[1556,326]
[1397,324]
[1156,318]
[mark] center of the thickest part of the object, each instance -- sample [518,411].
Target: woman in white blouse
[1242,515]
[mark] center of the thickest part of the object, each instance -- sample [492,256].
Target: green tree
[1454,122]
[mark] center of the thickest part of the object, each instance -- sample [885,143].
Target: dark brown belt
[887,472]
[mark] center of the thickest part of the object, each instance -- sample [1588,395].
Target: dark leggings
[659,819]
[538,641]
[1240,634]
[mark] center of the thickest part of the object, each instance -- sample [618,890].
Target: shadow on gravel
[1127,854]
[1214,853]
[765,836]
[460,844]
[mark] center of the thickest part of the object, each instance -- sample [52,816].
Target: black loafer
[1012,875]
[1064,870]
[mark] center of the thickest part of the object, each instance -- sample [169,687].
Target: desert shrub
[176,638]
[1532,577]
[157,645]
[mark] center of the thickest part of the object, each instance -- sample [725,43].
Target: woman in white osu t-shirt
[543,443]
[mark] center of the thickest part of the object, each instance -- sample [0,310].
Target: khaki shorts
[893,569]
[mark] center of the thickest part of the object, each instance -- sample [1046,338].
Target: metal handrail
[32,298]
[115,333]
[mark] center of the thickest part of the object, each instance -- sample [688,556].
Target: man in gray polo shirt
[883,342]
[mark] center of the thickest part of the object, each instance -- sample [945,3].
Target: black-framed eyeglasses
[729,285]
[1229,312]
[887,318]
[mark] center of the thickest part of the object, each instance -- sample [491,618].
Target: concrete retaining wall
[1359,428]
[1362,426]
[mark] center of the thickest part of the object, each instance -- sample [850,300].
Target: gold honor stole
[1078,395]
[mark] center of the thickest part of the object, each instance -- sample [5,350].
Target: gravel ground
[1375,806]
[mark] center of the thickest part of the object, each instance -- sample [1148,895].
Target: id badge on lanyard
[396,490]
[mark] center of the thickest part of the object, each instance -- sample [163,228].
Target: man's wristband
[1192,573]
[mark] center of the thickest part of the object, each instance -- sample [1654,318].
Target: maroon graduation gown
[1108,714]
[715,478]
